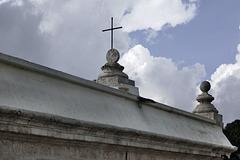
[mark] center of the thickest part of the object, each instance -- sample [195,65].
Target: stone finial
[205,99]
[112,56]
[112,68]
[205,86]
[205,108]
[113,75]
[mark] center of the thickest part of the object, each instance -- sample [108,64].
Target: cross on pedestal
[111,29]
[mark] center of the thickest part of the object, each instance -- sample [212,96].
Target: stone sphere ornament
[205,86]
[112,56]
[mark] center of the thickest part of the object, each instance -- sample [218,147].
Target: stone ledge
[28,147]
[52,126]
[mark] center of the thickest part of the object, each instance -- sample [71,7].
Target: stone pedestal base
[113,76]
[212,115]
[120,83]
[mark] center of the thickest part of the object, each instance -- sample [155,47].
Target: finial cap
[205,86]
[112,56]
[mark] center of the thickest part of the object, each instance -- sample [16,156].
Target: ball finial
[205,86]
[112,56]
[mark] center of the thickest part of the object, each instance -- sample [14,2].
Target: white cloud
[160,78]
[151,34]
[18,2]
[65,35]
[238,49]
[77,41]
[226,89]
[3,1]
[154,14]
[13,2]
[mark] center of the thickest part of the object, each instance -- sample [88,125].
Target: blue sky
[167,46]
[210,38]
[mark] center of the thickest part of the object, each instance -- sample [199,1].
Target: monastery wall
[49,115]
[27,135]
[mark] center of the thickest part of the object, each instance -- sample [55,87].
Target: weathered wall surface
[26,135]
[38,150]
[32,87]
[41,106]
[37,136]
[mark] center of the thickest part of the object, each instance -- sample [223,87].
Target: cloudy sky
[167,46]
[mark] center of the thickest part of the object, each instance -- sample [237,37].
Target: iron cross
[111,29]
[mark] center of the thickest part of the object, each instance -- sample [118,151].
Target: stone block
[52,133]
[45,150]
[38,131]
[214,116]
[30,149]
[73,152]
[9,158]
[88,153]
[109,154]
[17,147]
[131,156]
[66,136]
[65,151]
[56,151]
[16,128]
[5,147]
